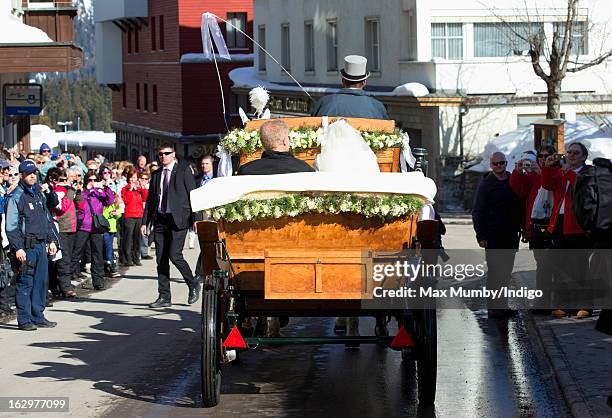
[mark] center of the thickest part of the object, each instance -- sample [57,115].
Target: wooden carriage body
[312,264]
[310,257]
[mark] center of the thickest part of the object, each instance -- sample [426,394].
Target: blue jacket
[27,214]
[350,103]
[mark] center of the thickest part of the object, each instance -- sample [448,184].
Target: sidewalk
[582,360]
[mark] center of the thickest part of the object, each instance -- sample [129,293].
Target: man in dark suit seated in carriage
[276,158]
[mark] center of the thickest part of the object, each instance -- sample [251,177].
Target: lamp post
[65,124]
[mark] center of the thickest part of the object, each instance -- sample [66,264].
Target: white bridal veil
[344,150]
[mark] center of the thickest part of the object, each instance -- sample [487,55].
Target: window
[579,37]
[285,46]
[523,121]
[153,33]
[161,33]
[309,64]
[447,40]
[503,39]
[235,38]
[154,98]
[261,55]
[137,96]
[129,41]
[373,44]
[136,41]
[332,45]
[146,97]
[124,95]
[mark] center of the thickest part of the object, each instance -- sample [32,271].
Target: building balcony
[120,10]
[41,57]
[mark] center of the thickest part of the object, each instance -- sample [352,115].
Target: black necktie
[164,202]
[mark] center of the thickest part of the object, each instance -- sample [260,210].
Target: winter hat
[44,147]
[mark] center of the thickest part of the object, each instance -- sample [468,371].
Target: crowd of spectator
[541,189]
[96,208]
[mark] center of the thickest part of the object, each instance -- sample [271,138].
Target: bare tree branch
[535,52]
[570,24]
[592,63]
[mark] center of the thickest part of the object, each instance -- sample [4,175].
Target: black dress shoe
[147,257]
[49,304]
[47,324]
[137,263]
[194,293]
[161,303]
[28,327]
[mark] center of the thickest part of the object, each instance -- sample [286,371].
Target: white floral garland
[243,141]
[381,206]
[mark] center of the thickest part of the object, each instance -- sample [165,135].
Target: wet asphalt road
[486,367]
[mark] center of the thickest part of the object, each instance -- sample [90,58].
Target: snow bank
[514,143]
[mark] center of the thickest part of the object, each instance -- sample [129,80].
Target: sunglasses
[166,153]
[88,180]
[13,175]
[46,151]
[543,155]
[573,152]
[63,179]
[499,163]
[144,178]
[39,162]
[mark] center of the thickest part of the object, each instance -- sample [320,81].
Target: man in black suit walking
[168,210]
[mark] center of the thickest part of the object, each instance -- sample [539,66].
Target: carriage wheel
[211,342]
[427,358]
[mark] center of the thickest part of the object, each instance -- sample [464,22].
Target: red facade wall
[190,18]
[189,101]
[169,91]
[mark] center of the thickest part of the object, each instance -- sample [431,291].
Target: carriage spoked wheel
[211,341]
[427,355]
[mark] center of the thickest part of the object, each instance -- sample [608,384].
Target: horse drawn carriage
[290,249]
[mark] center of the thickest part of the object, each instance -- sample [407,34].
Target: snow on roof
[411,89]
[199,58]
[246,77]
[98,139]
[597,140]
[14,31]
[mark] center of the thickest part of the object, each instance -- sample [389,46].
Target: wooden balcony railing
[47,4]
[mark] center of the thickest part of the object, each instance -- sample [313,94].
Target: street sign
[22,99]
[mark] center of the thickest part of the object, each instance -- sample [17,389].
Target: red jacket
[134,201]
[526,187]
[555,180]
[65,212]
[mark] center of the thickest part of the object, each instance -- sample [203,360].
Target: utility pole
[65,124]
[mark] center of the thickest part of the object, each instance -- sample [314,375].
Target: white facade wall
[405,43]
[109,55]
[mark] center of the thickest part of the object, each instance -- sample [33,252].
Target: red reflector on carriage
[402,339]
[234,340]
